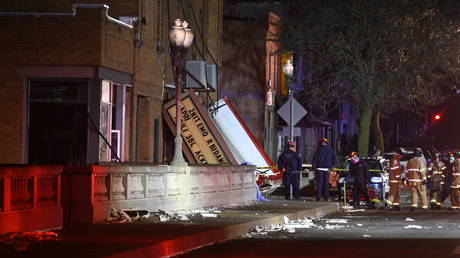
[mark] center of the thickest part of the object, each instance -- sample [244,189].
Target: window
[112,121]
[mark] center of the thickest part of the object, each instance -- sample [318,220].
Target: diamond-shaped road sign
[297,113]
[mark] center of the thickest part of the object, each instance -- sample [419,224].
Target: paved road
[375,233]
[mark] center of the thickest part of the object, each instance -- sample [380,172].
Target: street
[375,233]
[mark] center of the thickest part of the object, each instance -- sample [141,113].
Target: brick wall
[243,76]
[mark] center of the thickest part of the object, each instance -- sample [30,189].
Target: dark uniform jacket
[291,161]
[324,157]
[360,172]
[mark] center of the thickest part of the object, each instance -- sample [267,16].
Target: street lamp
[288,70]
[181,38]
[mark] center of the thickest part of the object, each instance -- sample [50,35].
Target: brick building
[76,77]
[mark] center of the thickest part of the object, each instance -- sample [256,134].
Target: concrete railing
[95,190]
[30,198]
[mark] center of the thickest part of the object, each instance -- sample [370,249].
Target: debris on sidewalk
[356,210]
[347,207]
[208,215]
[127,215]
[20,241]
[413,227]
[291,226]
[340,221]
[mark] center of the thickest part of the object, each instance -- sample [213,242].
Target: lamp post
[288,70]
[181,38]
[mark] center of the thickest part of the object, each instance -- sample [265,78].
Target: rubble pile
[161,216]
[127,215]
[20,241]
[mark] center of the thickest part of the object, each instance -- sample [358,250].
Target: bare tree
[391,53]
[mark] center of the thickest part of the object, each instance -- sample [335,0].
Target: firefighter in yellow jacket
[436,179]
[395,180]
[455,183]
[416,177]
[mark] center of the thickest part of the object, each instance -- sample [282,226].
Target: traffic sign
[297,113]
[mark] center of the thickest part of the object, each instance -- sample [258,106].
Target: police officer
[436,178]
[455,183]
[360,172]
[395,180]
[290,164]
[324,159]
[416,177]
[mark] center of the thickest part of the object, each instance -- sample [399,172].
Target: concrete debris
[347,207]
[20,241]
[163,218]
[331,227]
[256,229]
[290,226]
[413,227]
[182,217]
[286,220]
[208,215]
[409,219]
[338,221]
[357,210]
[274,228]
[290,230]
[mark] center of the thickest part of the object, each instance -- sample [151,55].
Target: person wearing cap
[395,180]
[290,164]
[360,172]
[323,161]
[416,177]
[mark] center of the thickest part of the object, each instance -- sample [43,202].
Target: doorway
[57,122]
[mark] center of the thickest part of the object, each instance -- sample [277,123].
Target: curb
[188,243]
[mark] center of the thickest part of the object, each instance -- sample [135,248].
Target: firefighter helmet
[352,154]
[402,151]
[324,140]
[418,152]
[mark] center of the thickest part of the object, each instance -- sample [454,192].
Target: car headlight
[376,179]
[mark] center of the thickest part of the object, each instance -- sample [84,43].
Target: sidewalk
[168,239]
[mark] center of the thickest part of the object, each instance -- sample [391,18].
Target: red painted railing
[33,193]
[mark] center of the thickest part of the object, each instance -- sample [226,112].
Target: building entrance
[57,122]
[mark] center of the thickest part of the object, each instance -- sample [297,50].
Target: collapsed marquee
[222,139]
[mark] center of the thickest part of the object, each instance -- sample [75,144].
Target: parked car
[377,187]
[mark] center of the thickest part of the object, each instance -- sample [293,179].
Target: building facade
[84,83]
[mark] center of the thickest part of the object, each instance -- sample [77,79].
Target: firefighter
[436,179]
[395,180]
[360,172]
[416,177]
[455,183]
[449,161]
